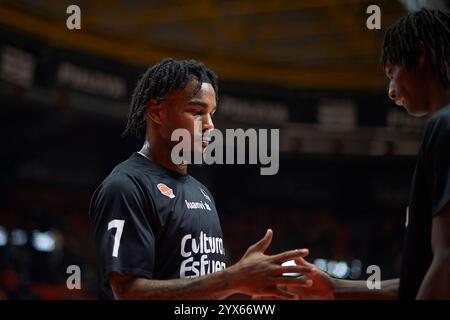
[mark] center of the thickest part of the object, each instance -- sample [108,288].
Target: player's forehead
[202,91]
[198,89]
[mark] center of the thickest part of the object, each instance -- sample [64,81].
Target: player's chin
[205,144]
[196,156]
[415,111]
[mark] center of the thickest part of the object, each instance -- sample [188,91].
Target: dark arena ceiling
[304,44]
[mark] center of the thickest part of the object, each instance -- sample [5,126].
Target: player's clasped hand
[260,275]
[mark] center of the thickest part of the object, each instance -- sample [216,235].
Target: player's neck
[439,98]
[159,154]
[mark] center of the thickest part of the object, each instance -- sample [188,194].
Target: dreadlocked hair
[158,81]
[427,28]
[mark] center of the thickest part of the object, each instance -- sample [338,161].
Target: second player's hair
[427,28]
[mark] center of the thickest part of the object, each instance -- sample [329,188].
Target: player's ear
[154,111]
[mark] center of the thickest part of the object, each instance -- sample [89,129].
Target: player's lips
[400,101]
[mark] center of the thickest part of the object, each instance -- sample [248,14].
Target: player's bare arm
[255,273]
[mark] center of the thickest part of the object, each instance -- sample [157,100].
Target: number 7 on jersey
[118,224]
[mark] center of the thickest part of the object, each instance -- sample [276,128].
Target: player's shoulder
[437,130]
[117,183]
[440,119]
[193,181]
[136,167]
[125,175]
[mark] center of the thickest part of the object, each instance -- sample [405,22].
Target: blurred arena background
[310,68]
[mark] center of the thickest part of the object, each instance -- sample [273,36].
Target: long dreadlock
[158,81]
[427,28]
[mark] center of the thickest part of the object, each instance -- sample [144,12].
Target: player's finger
[303,281]
[302,262]
[262,244]
[279,293]
[293,269]
[289,255]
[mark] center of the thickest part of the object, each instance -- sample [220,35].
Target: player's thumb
[265,242]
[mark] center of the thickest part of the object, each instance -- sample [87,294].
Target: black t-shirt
[154,223]
[430,192]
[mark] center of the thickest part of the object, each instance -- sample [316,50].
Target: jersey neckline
[173,174]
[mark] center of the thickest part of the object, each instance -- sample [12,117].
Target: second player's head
[416,56]
[170,95]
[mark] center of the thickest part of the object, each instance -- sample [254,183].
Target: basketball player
[156,228]
[416,59]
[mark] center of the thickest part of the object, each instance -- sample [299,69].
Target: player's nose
[208,123]
[391,91]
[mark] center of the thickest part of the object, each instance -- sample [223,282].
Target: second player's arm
[353,289]
[326,287]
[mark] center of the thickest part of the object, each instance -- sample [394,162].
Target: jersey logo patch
[205,194]
[165,190]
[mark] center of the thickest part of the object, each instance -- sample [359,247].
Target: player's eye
[196,112]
